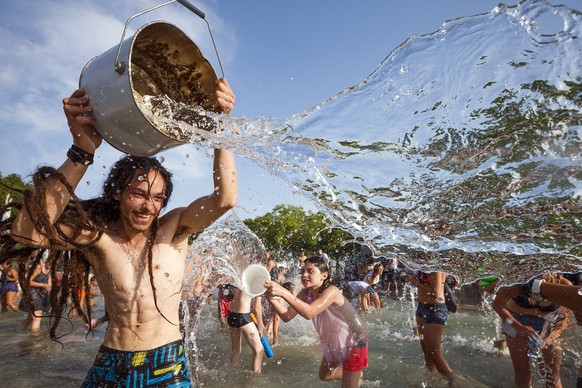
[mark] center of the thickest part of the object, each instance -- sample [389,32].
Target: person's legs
[365,302]
[432,334]
[269,329]
[254,340]
[518,348]
[350,379]
[276,322]
[552,361]
[427,360]
[25,325]
[329,371]
[376,301]
[36,320]
[11,299]
[235,341]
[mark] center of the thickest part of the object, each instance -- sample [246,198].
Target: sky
[280,59]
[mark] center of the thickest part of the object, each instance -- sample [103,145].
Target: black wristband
[78,156]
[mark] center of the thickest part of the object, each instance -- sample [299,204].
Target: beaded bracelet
[79,156]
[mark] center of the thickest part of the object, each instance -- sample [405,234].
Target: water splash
[461,151]
[217,256]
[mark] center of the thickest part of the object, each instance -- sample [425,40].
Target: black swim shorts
[238,320]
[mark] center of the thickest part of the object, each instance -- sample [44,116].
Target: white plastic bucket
[253,279]
[158,59]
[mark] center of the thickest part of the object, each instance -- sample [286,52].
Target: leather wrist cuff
[78,156]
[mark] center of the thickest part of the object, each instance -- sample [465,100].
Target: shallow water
[395,358]
[464,143]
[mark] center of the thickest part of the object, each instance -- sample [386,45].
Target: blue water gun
[266,345]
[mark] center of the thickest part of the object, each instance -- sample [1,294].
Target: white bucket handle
[120,66]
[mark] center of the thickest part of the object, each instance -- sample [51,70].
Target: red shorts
[357,360]
[223,305]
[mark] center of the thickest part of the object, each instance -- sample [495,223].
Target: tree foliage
[10,182]
[287,229]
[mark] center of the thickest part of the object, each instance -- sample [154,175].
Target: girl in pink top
[341,330]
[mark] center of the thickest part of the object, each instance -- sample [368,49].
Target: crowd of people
[33,300]
[137,256]
[529,320]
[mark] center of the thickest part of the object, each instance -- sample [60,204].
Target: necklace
[130,251]
[133,253]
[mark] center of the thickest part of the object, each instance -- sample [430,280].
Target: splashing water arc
[461,151]
[465,139]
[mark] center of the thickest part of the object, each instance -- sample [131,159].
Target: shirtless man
[138,255]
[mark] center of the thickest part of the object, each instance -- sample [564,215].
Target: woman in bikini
[431,316]
[9,289]
[525,321]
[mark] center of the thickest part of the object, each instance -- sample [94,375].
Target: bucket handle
[120,66]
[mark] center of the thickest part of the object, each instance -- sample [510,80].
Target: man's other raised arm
[201,213]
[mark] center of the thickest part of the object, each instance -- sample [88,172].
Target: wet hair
[105,207]
[92,215]
[377,268]
[289,286]
[321,264]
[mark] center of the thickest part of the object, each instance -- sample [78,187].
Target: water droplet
[161,159]
[141,178]
[187,156]
[580,291]
[404,69]
[88,183]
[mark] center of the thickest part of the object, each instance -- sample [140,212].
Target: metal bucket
[159,59]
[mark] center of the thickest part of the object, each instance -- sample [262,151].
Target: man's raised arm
[80,156]
[204,211]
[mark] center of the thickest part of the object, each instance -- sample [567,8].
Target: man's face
[141,200]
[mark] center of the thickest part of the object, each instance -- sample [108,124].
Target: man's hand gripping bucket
[159,60]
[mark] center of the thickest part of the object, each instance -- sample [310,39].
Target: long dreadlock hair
[88,215]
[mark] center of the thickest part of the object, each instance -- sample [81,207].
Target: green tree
[288,229]
[12,181]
